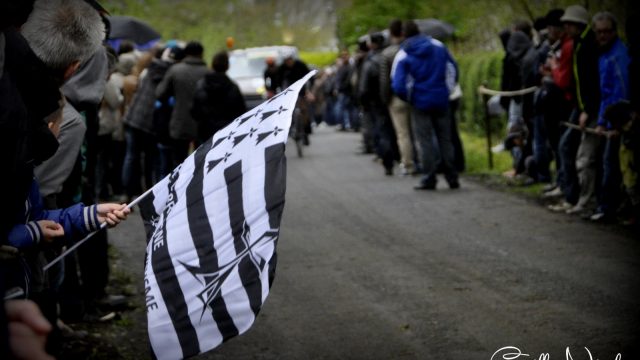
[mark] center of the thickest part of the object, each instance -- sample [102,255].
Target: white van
[247,66]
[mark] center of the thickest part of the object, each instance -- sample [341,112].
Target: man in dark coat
[370,93]
[217,101]
[180,82]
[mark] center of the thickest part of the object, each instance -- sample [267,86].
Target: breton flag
[212,229]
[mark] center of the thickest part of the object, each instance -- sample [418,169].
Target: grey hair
[61,32]
[605,15]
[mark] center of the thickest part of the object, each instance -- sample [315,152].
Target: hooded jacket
[140,114]
[216,103]
[419,73]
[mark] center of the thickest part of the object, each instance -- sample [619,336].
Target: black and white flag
[212,227]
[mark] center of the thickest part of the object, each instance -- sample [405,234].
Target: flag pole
[102,226]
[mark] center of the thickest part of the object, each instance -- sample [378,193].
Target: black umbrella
[435,28]
[130,28]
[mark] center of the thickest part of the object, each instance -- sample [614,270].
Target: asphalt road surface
[369,268]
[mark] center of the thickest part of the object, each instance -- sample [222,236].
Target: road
[369,268]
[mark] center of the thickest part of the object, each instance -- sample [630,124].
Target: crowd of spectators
[578,112]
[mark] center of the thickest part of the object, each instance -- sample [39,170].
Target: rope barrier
[485,91]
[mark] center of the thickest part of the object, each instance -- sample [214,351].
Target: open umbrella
[130,28]
[435,28]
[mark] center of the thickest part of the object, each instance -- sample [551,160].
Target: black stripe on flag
[168,282]
[203,240]
[275,185]
[275,182]
[148,214]
[249,274]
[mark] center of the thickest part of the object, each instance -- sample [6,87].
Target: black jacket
[217,102]
[585,64]
[289,75]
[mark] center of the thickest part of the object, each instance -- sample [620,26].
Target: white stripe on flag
[207,209]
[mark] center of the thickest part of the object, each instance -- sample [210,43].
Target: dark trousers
[179,151]
[426,125]
[385,142]
[609,197]
[141,147]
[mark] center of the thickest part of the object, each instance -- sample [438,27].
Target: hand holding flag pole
[102,226]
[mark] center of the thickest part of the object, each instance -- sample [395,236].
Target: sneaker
[454,185]
[598,217]
[575,209]
[562,207]
[557,192]
[549,187]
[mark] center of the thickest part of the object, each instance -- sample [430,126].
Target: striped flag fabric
[212,229]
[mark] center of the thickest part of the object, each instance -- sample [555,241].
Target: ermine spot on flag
[212,229]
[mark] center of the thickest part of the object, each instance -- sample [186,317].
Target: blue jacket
[420,73]
[77,220]
[614,78]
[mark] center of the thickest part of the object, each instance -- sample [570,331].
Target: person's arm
[31,233]
[165,88]
[562,69]
[399,76]
[385,81]
[613,87]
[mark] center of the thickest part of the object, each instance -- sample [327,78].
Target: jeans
[611,177]
[342,111]
[541,149]
[425,124]
[567,173]
[165,160]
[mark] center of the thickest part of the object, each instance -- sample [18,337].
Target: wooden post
[487,128]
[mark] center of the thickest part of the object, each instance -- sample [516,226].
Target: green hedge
[318,59]
[477,69]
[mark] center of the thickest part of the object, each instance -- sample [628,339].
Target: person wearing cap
[579,169]
[614,87]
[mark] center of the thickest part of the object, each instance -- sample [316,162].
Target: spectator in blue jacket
[613,64]
[419,76]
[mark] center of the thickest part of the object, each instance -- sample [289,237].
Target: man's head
[523,26]
[289,58]
[410,28]
[220,62]
[575,20]
[606,28]
[64,33]
[376,41]
[194,49]
[395,28]
[555,29]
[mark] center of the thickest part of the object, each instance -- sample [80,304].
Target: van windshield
[244,66]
